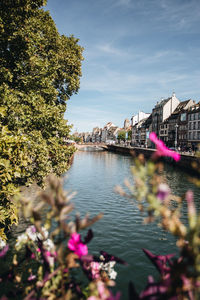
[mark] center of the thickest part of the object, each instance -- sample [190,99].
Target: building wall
[137,118]
[170,107]
[194,127]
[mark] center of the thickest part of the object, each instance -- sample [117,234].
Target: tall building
[162,111]
[126,124]
[139,117]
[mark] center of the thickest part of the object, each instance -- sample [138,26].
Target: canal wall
[189,163]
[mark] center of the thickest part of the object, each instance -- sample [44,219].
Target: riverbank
[94,174]
[189,163]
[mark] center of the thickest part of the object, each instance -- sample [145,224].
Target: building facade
[162,111]
[194,126]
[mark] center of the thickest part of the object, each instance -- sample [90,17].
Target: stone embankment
[92,145]
[190,163]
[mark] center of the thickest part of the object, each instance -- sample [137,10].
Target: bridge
[92,146]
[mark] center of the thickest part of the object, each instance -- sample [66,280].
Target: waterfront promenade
[189,161]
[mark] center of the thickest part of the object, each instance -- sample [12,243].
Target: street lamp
[176,129]
[146,137]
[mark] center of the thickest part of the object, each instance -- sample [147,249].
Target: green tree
[77,139]
[39,71]
[129,134]
[122,135]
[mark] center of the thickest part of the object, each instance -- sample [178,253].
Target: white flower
[108,268]
[111,264]
[31,233]
[101,257]
[49,245]
[112,274]
[45,232]
[21,239]
[2,243]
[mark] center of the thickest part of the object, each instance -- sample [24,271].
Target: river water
[93,175]
[121,232]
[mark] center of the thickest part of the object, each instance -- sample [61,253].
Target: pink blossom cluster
[101,292]
[95,269]
[161,148]
[76,245]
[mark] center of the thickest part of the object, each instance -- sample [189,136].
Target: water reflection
[120,232]
[94,174]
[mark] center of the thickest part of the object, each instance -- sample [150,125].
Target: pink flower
[75,244]
[161,149]
[4,251]
[31,277]
[33,256]
[191,209]
[48,253]
[49,258]
[95,267]
[163,191]
[101,289]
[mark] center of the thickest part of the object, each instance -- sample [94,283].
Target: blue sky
[136,52]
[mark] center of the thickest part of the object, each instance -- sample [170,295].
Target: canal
[121,232]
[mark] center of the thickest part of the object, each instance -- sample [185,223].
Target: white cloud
[109,49]
[163,55]
[179,16]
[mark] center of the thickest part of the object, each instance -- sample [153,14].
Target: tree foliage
[121,135]
[39,70]
[129,134]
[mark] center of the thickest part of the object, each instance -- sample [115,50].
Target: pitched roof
[195,107]
[162,102]
[181,106]
[148,120]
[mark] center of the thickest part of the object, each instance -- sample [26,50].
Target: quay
[188,162]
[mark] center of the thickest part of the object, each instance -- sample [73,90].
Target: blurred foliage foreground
[51,255]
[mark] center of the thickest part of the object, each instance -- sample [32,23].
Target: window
[183,117]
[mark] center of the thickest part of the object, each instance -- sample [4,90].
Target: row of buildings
[107,134]
[176,123]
